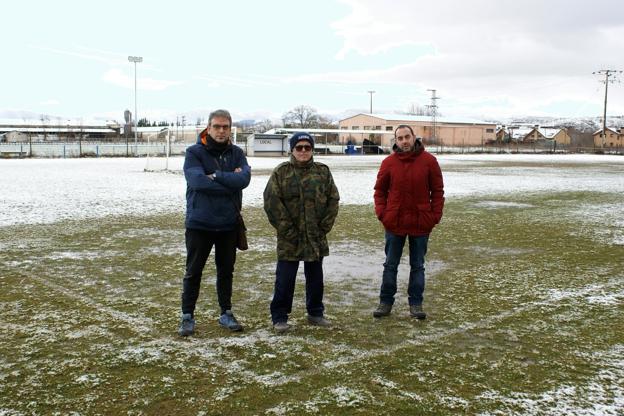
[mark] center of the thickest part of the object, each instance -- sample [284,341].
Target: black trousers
[199,243]
[285,276]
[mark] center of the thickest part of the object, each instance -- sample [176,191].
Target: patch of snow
[501,204]
[606,299]
[88,379]
[600,395]
[49,190]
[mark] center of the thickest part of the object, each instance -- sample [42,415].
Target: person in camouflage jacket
[301,203]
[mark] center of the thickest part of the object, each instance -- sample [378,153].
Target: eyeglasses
[220,126]
[303,148]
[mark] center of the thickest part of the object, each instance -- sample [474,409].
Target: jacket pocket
[390,219]
[426,218]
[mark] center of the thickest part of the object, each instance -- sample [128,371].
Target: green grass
[524,304]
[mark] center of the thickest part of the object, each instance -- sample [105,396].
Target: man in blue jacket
[216,172]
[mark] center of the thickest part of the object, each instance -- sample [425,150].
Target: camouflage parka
[301,202]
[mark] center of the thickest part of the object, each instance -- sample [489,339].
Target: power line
[433,110]
[608,73]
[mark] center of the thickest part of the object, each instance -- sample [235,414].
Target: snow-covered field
[524,295]
[49,190]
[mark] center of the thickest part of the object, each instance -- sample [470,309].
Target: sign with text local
[270,143]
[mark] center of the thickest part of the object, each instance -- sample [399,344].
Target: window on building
[489,130]
[355,128]
[344,128]
[377,127]
[368,128]
[389,128]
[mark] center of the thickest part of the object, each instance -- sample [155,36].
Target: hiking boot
[187,326]
[383,309]
[318,321]
[416,311]
[228,321]
[281,327]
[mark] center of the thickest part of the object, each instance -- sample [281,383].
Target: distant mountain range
[580,124]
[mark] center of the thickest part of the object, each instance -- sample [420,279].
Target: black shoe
[416,311]
[383,309]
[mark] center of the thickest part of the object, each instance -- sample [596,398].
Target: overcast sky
[488,59]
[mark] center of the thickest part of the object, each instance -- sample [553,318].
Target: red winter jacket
[409,192]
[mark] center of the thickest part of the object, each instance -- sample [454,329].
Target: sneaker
[383,309]
[318,321]
[416,311]
[228,321]
[187,326]
[281,327]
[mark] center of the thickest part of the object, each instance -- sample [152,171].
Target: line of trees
[144,122]
[302,116]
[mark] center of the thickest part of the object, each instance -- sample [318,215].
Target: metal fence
[90,149]
[122,149]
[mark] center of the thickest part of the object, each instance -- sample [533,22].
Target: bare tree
[302,116]
[326,122]
[262,126]
[416,110]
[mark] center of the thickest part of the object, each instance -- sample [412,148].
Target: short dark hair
[219,113]
[403,126]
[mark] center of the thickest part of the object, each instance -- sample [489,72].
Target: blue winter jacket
[213,204]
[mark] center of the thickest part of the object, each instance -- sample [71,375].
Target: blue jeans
[285,275]
[394,250]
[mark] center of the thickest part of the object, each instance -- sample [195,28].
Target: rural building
[524,133]
[538,133]
[51,131]
[448,131]
[613,138]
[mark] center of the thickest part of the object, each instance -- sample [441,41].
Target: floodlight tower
[371,100]
[135,59]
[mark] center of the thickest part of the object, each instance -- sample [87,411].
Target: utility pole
[135,59]
[433,110]
[607,73]
[371,100]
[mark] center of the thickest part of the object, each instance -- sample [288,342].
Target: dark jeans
[198,246]
[285,275]
[394,250]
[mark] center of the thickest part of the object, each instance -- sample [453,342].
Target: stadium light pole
[371,100]
[135,59]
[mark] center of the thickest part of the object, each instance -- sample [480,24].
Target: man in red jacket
[409,198]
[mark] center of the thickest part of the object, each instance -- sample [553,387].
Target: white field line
[426,339]
[135,322]
[141,324]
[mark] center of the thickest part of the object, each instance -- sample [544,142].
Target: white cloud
[91,55]
[527,54]
[117,77]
